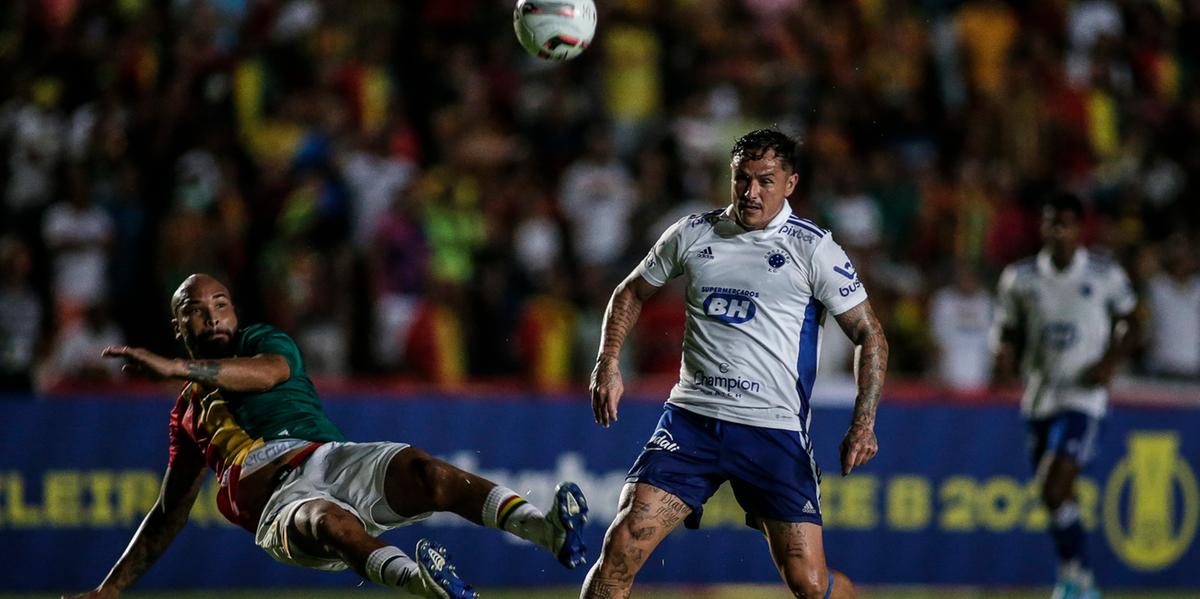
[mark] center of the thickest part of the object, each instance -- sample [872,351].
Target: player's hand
[143,362]
[606,389]
[858,446]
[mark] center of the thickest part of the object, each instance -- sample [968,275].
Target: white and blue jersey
[756,305]
[1065,318]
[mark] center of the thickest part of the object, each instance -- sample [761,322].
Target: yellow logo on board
[1151,502]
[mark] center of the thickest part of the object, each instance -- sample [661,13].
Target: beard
[211,346]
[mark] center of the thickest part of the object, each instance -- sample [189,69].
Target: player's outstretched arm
[622,313]
[181,485]
[255,373]
[870,367]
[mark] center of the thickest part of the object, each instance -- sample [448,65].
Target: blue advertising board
[947,500]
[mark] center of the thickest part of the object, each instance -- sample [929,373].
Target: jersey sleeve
[665,260]
[270,340]
[835,281]
[182,450]
[1121,298]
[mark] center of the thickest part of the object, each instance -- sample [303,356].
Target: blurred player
[761,281]
[1067,316]
[287,474]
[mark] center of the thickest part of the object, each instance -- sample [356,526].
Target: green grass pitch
[717,592]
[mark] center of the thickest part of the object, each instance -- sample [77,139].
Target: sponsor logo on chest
[728,305]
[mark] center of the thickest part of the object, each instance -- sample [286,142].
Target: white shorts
[350,475]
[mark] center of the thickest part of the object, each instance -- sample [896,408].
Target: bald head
[196,285]
[204,316]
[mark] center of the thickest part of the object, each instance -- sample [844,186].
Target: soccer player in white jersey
[760,282]
[1066,316]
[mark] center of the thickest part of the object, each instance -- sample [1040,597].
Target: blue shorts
[1068,434]
[772,472]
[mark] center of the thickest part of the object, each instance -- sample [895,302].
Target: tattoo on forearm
[864,329]
[620,317]
[203,372]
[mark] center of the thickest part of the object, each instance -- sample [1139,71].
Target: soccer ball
[555,29]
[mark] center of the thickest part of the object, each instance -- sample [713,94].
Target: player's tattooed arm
[622,313]
[870,367]
[255,373]
[203,371]
[871,357]
[181,486]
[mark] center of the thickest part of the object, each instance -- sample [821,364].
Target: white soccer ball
[555,29]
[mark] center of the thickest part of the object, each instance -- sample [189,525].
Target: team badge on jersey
[777,259]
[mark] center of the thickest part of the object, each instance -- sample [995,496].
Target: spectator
[1174,302]
[960,316]
[398,265]
[20,317]
[36,133]
[375,178]
[78,234]
[598,197]
[76,357]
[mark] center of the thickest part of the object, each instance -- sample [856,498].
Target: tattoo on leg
[641,534]
[607,590]
[203,372]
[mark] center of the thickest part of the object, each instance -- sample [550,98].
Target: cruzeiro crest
[1151,502]
[777,259]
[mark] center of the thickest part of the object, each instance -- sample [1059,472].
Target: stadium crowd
[409,194]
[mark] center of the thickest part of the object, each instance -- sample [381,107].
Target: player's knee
[806,581]
[432,476]
[326,523]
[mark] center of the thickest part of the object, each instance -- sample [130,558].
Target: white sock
[391,567]
[506,510]
[1067,514]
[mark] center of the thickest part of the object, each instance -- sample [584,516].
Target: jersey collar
[1045,264]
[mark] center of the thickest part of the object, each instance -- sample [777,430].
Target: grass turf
[719,592]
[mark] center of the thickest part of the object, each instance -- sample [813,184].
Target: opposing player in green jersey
[249,412]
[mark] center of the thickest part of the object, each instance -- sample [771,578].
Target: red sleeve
[183,448]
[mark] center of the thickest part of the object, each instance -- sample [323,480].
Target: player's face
[1060,230]
[760,186]
[205,319]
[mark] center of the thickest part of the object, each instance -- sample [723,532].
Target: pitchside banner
[947,500]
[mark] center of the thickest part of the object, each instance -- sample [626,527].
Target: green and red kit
[221,429]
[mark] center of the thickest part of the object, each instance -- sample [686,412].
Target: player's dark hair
[1064,201]
[756,143]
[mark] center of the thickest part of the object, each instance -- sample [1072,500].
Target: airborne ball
[555,29]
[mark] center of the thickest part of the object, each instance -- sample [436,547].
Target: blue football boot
[440,577]
[567,516]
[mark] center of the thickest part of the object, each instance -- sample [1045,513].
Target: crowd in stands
[408,193]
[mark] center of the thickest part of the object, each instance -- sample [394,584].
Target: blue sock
[1067,532]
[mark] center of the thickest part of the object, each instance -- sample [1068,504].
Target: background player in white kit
[760,281]
[1067,316]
